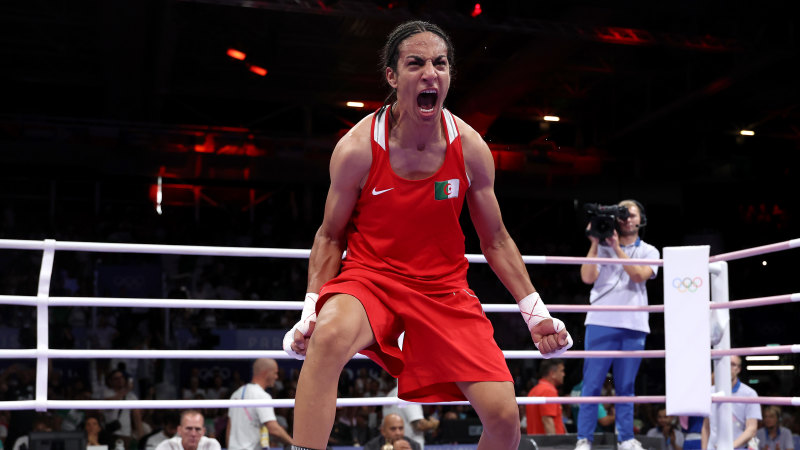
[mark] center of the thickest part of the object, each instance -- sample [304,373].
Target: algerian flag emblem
[446,189]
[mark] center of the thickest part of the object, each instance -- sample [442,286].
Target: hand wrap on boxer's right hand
[533,312]
[308,316]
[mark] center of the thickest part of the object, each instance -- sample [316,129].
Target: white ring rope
[283,305]
[42,301]
[359,401]
[302,253]
[280,354]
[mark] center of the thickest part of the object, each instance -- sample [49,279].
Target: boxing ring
[42,354]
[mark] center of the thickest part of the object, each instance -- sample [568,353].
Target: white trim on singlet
[452,131]
[379,132]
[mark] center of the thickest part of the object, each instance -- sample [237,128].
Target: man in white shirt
[250,428]
[169,429]
[415,422]
[191,434]
[745,415]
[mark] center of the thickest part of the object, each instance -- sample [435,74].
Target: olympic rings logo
[687,284]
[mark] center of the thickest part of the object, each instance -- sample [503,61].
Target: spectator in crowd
[191,434]
[95,434]
[668,429]
[123,423]
[772,435]
[342,431]
[170,422]
[218,388]
[17,382]
[415,423]
[745,415]
[41,422]
[4,415]
[392,430]
[546,418]
[194,390]
[362,432]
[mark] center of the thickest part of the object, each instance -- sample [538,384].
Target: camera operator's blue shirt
[614,287]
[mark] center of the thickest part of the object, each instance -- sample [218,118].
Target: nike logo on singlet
[376,192]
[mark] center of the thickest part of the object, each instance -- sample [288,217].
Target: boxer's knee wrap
[308,315]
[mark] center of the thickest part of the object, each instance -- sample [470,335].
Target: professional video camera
[604,219]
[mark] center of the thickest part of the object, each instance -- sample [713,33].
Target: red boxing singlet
[409,230]
[405,263]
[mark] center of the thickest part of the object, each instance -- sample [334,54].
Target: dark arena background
[690,107]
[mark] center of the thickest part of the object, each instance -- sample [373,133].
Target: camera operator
[615,284]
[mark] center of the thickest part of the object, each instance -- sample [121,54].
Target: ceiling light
[764,368]
[159,197]
[258,70]
[762,358]
[551,118]
[355,104]
[476,10]
[747,133]
[236,54]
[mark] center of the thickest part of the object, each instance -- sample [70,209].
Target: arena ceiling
[654,92]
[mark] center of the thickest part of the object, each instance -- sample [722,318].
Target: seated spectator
[773,436]
[194,390]
[219,390]
[95,435]
[342,431]
[124,423]
[191,434]
[42,422]
[392,430]
[362,432]
[668,429]
[168,430]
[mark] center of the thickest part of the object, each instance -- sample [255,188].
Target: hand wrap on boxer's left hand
[308,315]
[534,312]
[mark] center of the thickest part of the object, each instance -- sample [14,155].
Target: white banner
[687,331]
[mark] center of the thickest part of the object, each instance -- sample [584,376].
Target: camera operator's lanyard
[249,417]
[262,428]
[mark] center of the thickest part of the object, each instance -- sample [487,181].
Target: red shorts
[448,337]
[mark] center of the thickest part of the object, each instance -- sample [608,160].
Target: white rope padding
[204,250]
[345,402]
[280,354]
[288,305]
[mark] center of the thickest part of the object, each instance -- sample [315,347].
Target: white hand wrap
[533,312]
[308,315]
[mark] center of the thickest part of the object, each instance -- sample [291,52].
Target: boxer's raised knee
[342,329]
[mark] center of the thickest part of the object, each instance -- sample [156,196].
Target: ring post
[686,331]
[722,366]
[43,324]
